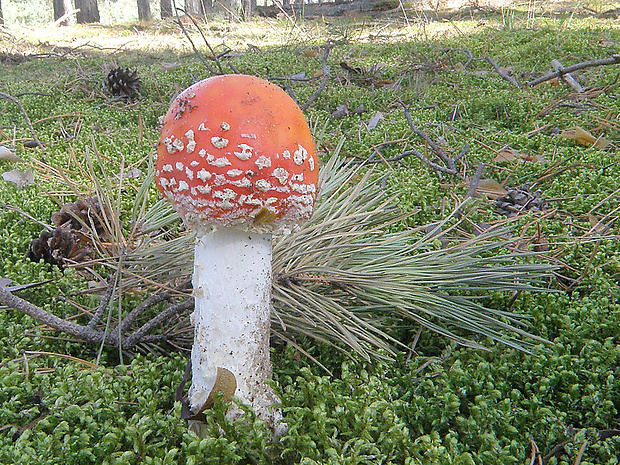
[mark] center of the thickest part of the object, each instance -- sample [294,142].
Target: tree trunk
[144,10]
[335,8]
[195,8]
[89,11]
[166,8]
[235,9]
[1,15]
[62,8]
[249,8]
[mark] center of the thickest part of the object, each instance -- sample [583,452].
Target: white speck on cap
[243,183]
[234,172]
[300,155]
[263,185]
[303,188]
[203,175]
[178,144]
[281,174]
[191,143]
[221,162]
[219,142]
[246,152]
[263,162]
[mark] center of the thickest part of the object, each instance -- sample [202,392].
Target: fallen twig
[570,80]
[93,335]
[215,56]
[326,73]
[450,163]
[614,59]
[17,102]
[560,449]
[198,54]
[535,457]
[503,74]
[475,181]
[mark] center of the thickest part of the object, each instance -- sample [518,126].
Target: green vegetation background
[445,404]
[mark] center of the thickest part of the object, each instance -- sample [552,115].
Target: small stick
[450,163]
[504,75]
[326,73]
[571,81]
[137,336]
[152,300]
[42,316]
[614,59]
[105,300]
[30,126]
[216,58]
[198,54]
[414,343]
[473,186]
[535,457]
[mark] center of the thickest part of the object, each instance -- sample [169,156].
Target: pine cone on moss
[121,82]
[71,240]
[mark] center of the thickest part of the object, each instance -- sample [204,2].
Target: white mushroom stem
[232,286]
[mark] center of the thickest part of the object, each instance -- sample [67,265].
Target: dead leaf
[341,111]
[132,173]
[352,69]
[32,144]
[491,188]
[375,120]
[607,43]
[225,385]
[7,154]
[383,82]
[21,178]
[597,225]
[585,138]
[169,66]
[509,154]
[310,53]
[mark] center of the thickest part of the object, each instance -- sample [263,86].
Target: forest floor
[444,109]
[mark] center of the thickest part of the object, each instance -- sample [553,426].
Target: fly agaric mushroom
[237,161]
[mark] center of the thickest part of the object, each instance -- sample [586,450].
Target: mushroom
[237,160]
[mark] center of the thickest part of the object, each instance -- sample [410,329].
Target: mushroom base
[232,288]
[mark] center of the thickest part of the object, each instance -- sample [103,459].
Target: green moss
[445,404]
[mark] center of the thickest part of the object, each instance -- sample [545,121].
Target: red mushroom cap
[236,150]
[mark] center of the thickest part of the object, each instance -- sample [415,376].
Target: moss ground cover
[440,404]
